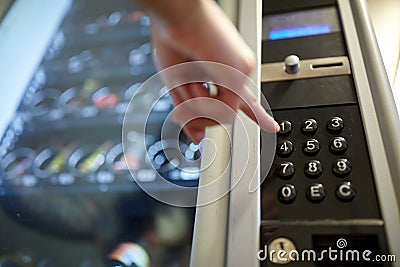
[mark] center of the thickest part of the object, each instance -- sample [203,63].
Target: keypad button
[287,193]
[313,169]
[309,127]
[285,170]
[335,125]
[316,192]
[338,145]
[345,192]
[341,167]
[284,148]
[286,128]
[311,147]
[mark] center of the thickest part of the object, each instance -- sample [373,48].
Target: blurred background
[69,69]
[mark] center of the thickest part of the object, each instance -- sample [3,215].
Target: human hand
[197,30]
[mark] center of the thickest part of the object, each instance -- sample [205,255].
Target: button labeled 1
[286,128]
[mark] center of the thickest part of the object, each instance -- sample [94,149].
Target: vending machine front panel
[332,182]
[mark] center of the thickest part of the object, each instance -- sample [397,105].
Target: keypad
[314,152]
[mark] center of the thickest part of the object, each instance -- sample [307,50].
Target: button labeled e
[316,192]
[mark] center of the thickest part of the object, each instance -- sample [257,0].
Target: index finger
[255,111]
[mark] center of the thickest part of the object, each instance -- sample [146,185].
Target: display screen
[300,24]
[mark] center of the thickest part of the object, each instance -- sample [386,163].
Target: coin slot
[327,65]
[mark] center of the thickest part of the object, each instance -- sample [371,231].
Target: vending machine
[324,191]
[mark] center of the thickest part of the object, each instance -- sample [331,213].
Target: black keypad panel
[327,168]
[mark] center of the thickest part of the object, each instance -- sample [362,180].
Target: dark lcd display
[300,24]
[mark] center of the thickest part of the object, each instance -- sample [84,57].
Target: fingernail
[277,127]
[198,136]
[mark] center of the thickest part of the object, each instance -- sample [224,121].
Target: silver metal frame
[244,207]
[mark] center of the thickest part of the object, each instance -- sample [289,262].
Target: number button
[345,192]
[313,169]
[335,125]
[311,147]
[341,167]
[284,148]
[338,145]
[285,170]
[309,127]
[316,192]
[287,193]
[286,128]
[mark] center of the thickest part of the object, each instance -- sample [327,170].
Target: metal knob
[292,64]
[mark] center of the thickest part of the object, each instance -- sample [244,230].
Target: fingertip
[196,135]
[277,127]
[267,123]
